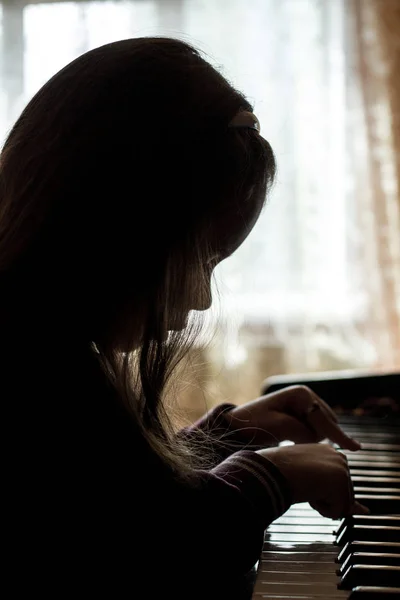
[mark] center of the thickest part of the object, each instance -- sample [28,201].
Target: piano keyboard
[309,557]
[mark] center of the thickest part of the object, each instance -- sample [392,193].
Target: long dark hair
[118,183]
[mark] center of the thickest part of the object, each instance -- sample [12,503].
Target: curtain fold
[373,109]
[388,31]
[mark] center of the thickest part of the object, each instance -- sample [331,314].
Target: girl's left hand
[295,413]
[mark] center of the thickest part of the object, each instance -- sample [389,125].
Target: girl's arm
[223,439]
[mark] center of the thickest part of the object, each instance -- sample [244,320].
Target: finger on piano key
[379,575]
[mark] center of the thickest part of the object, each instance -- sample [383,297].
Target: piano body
[309,557]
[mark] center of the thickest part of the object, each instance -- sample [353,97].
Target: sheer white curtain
[295,296]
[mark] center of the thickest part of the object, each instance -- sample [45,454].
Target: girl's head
[121,187]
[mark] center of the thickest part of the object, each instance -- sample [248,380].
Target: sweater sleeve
[259,482]
[139,528]
[223,439]
[217,529]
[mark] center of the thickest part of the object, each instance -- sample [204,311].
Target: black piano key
[369,558]
[360,546]
[367,481]
[375,593]
[376,447]
[373,436]
[376,465]
[370,533]
[380,454]
[377,575]
[377,520]
[309,595]
[374,472]
[380,505]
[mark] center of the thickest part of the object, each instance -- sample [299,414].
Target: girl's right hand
[318,474]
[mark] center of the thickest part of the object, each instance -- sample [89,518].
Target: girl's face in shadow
[229,234]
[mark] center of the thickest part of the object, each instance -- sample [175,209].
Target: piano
[310,557]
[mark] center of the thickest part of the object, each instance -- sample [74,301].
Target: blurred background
[316,286]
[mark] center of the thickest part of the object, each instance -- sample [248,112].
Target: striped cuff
[260,481]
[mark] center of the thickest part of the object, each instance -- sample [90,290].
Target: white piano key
[306,577]
[297,590]
[301,537]
[300,528]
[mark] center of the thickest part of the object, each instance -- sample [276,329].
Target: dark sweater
[91,512]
